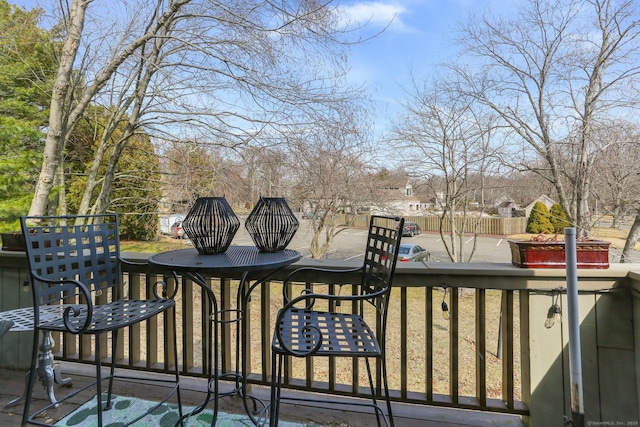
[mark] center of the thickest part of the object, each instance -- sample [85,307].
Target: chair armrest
[323,271]
[159,288]
[72,309]
[328,275]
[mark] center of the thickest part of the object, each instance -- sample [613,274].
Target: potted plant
[544,251]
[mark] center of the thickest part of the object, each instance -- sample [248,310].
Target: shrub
[539,220]
[558,218]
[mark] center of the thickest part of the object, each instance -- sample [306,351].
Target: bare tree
[329,166]
[264,172]
[632,239]
[552,72]
[617,169]
[191,170]
[214,74]
[444,139]
[65,111]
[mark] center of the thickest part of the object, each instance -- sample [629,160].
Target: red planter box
[532,254]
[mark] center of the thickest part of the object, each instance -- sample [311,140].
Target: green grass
[162,244]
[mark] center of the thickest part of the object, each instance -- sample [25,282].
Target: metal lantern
[211,225]
[271,224]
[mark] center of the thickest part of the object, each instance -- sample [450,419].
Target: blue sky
[420,35]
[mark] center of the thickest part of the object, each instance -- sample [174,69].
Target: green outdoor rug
[128,408]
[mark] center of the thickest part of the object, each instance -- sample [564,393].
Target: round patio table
[245,263]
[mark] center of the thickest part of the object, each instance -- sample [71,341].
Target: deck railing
[465,356]
[489,350]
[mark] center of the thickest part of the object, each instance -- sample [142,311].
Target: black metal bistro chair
[76,281]
[314,324]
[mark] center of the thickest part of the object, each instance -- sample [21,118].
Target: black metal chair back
[383,241]
[71,250]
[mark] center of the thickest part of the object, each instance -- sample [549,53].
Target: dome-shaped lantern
[271,224]
[211,225]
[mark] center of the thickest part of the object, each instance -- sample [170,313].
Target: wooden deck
[12,385]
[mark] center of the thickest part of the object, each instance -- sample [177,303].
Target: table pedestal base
[48,370]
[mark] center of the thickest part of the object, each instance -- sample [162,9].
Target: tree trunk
[56,135]
[102,202]
[98,157]
[632,238]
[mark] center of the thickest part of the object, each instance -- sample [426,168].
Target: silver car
[410,252]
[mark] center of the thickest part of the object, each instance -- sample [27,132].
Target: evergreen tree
[558,218]
[539,219]
[27,69]
[136,189]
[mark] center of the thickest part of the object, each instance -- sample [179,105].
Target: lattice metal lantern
[271,224]
[211,225]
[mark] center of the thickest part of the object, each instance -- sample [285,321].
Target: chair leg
[175,359]
[276,387]
[98,380]
[112,370]
[373,392]
[385,383]
[31,377]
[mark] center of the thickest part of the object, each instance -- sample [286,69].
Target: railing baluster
[428,343]
[331,360]
[105,346]
[226,337]
[507,349]
[205,328]
[287,371]
[152,342]
[266,330]
[309,361]
[355,386]
[187,317]
[481,347]
[193,313]
[404,310]
[525,362]
[135,282]
[169,328]
[454,356]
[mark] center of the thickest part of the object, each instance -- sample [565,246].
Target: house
[396,195]
[548,202]
[507,209]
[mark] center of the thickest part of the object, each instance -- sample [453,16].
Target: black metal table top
[236,259]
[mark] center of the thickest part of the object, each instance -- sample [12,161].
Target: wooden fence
[486,225]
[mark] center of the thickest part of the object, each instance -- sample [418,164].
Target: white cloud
[375,13]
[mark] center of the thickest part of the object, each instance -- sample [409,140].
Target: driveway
[350,244]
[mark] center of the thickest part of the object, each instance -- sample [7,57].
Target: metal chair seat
[106,317]
[342,334]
